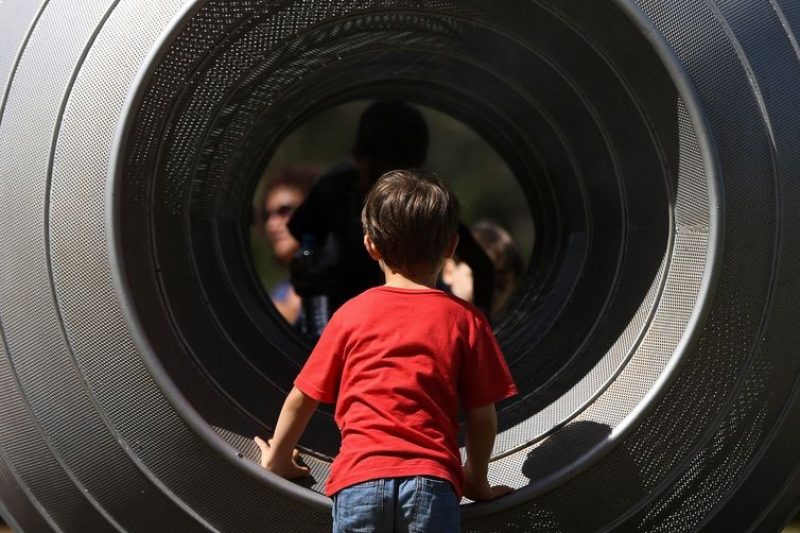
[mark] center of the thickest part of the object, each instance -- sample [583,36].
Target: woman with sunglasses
[283,193]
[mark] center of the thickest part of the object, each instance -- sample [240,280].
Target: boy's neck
[401,281]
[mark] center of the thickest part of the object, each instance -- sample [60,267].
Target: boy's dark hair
[391,134]
[411,216]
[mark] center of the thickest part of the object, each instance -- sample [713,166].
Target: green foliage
[483,183]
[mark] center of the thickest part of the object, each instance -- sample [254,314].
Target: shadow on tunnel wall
[566,446]
[570,512]
[605,283]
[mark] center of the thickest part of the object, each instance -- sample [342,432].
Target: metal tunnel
[654,338]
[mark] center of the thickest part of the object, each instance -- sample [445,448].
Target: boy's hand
[481,429]
[477,488]
[286,467]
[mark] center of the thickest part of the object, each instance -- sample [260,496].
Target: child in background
[399,360]
[505,256]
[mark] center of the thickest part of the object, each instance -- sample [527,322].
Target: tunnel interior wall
[656,314]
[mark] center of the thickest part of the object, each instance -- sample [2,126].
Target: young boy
[400,360]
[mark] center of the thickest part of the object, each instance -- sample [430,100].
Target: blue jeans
[413,504]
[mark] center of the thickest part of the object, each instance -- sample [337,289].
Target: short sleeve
[484,377]
[320,376]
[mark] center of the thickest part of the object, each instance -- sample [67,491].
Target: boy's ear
[371,249]
[451,250]
[448,270]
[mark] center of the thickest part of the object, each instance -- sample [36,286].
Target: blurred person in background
[505,256]
[391,135]
[283,193]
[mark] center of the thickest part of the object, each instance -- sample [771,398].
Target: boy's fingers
[501,490]
[301,469]
[296,471]
[261,444]
[263,447]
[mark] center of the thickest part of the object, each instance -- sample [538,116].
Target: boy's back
[400,363]
[399,360]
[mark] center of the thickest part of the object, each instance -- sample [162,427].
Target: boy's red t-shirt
[399,363]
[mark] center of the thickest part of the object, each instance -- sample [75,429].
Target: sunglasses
[282,211]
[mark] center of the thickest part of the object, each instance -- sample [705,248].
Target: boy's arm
[480,434]
[279,454]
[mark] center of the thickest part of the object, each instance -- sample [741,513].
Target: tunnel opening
[498,215]
[588,121]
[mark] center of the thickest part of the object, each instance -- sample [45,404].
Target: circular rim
[700,308]
[702,304]
[116,163]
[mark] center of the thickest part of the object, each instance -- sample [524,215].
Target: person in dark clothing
[391,135]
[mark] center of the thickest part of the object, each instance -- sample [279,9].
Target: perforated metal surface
[247,93]
[653,340]
[91,443]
